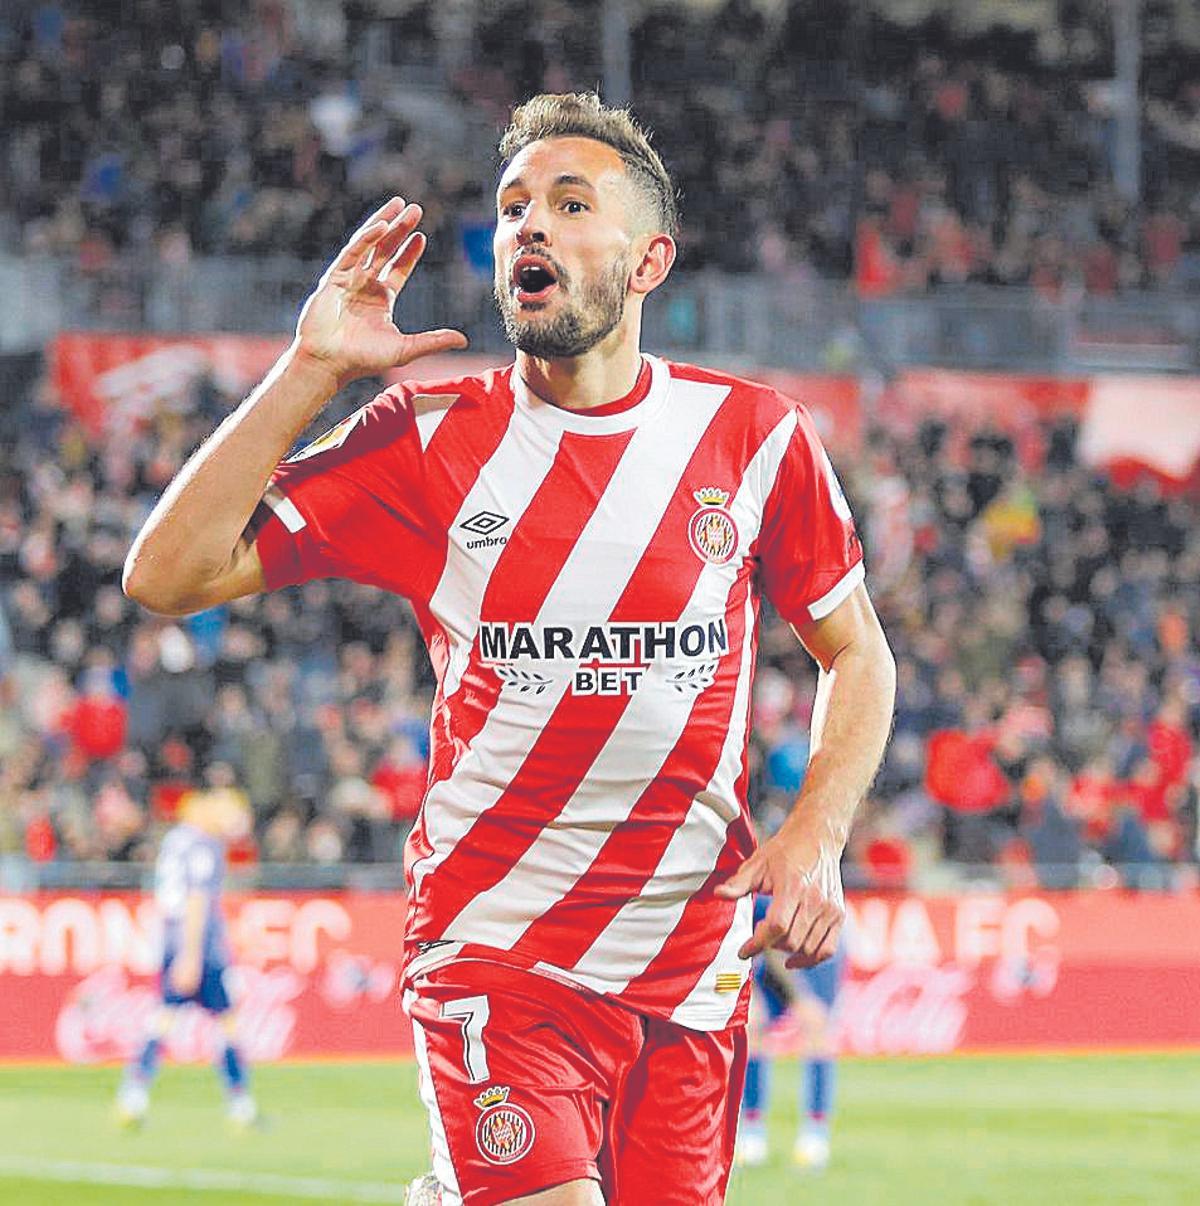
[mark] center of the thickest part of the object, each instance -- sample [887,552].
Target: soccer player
[187,886]
[809,994]
[585,536]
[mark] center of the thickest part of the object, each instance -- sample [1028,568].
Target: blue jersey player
[188,878]
[809,993]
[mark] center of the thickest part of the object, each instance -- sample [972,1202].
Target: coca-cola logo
[105,1017]
[909,1009]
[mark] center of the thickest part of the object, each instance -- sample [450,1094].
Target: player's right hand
[346,324]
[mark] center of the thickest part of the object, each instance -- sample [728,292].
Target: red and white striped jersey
[588,585]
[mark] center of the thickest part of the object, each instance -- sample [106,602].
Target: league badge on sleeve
[335,437]
[711,531]
[504,1131]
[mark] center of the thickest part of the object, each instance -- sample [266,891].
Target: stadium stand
[915,158]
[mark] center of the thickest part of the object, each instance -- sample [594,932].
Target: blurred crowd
[1045,626]
[810,139]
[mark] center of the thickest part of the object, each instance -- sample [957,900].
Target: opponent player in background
[808,996]
[585,536]
[188,878]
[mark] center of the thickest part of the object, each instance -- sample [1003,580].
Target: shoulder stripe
[288,512]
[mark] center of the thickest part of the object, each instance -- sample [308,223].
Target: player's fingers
[830,942]
[399,232]
[429,342]
[399,268]
[352,254]
[367,234]
[747,878]
[771,929]
[820,941]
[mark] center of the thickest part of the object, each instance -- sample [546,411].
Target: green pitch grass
[921,1132]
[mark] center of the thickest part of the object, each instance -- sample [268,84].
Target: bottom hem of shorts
[554,1174]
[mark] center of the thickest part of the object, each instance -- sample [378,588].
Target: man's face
[563,246]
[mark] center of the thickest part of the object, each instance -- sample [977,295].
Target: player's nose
[531,229]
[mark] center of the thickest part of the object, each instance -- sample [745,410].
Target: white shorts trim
[443,1166]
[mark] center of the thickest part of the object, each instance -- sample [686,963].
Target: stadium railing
[802,322]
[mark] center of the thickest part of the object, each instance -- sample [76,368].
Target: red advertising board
[317,974]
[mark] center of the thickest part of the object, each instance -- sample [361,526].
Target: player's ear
[654,265]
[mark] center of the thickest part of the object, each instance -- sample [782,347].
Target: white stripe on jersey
[590,583]
[564,851]
[704,1005]
[430,410]
[627,946]
[516,470]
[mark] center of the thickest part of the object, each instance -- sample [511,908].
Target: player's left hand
[800,869]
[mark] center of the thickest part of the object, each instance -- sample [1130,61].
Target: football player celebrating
[586,536]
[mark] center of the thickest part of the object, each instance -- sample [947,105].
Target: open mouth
[534,279]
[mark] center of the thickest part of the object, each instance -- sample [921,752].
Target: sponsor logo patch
[504,1131]
[711,531]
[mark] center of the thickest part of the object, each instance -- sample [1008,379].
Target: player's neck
[605,374]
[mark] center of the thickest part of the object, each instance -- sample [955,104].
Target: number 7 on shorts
[472,1014]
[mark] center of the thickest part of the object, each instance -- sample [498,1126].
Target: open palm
[347,323]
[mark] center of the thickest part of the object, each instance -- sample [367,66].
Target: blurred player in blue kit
[809,994]
[189,876]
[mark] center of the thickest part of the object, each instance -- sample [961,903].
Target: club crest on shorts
[504,1131]
[711,531]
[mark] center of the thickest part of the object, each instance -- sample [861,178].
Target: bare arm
[192,552]
[187,966]
[800,865]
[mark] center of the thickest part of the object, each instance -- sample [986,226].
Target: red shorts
[531,1083]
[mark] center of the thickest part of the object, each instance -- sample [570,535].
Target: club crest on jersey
[504,1131]
[711,531]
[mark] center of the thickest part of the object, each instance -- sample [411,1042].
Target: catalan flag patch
[729,981]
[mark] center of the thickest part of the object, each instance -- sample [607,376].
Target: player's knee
[574,1193]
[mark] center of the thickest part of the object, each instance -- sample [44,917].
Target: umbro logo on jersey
[484,524]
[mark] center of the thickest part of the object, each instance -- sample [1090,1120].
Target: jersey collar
[556,418]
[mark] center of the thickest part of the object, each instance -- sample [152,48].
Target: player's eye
[575,207]
[514,209]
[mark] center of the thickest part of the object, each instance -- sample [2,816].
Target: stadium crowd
[845,145]
[1044,623]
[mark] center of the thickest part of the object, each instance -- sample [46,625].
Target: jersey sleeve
[810,556]
[351,504]
[203,869]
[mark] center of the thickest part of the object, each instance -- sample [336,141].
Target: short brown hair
[584,115]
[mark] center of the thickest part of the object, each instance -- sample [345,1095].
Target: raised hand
[346,324]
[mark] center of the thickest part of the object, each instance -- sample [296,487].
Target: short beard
[578,327]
